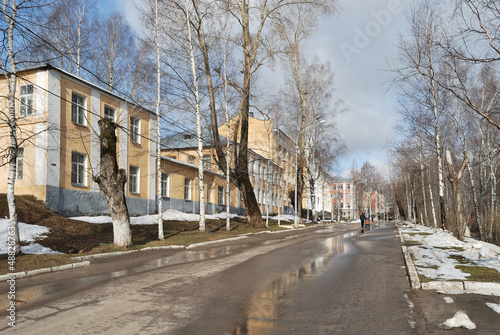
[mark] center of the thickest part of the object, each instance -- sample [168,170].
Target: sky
[359,42]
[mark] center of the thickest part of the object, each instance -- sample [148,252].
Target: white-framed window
[191,159]
[220,195]
[109,113]
[26,95]
[78,169]
[207,162]
[135,130]
[187,189]
[78,109]
[165,185]
[133,179]
[20,164]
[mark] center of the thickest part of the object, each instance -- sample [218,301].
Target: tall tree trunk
[463,136]
[422,176]
[199,134]
[112,183]
[460,228]
[431,199]
[240,173]
[312,192]
[11,78]
[161,235]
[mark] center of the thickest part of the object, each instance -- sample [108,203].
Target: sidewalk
[455,284]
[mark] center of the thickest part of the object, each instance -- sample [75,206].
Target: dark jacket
[362,217]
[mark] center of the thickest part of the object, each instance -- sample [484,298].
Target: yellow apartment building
[271,165]
[58,137]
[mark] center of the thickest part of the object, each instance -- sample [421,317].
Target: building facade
[59,149]
[59,153]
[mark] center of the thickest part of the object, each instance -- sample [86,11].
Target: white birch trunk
[13,236]
[408,200]
[267,194]
[431,200]
[198,124]
[439,158]
[422,176]
[312,189]
[460,128]
[228,145]
[161,235]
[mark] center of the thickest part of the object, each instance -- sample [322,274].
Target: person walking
[362,217]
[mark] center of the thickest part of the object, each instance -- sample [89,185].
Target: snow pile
[435,257]
[448,300]
[27,233]
[460,320]
[495,307]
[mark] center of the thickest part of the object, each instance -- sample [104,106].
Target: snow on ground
[434,258]
[460,320]
[169,214]
[27,233]
[495,307]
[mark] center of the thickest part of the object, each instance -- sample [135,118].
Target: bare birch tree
[9,69]
[199,133]
[158,125]
[115,53]
[420,67]
[65,34]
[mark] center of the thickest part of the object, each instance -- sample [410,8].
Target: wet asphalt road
[321,280]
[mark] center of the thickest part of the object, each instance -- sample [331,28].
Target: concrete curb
[215,241]
[164,247]
[410,269]
[448,287]
[30,273]
[106,254]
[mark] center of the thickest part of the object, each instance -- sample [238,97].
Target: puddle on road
[186,256]
[333,245]
[263,312]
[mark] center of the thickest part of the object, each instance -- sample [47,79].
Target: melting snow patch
[35,248]
[460,320]
[449,300]
[169,214]
[27,233]
[495,307]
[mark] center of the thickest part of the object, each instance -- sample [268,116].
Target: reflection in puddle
[263,311]
[36,292]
